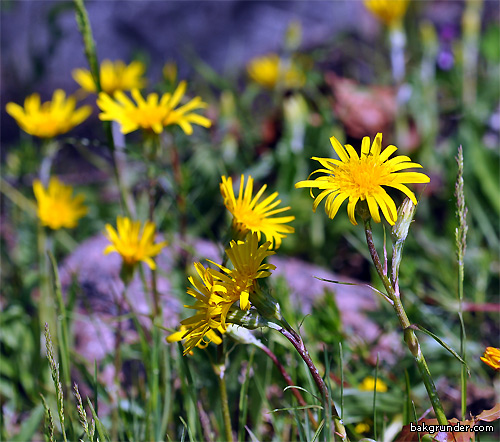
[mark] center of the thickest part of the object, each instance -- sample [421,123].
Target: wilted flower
[252,215]
[113,76]
[361,179]
[51,118]
[57,207]
[133,244]
[152,113]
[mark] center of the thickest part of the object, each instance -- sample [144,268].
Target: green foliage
[162,395]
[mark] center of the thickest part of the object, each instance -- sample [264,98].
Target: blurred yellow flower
[133,244]
[57,207]
[200,329]
[246,257]
[361,428]
[153,113]
[368,384]
[270,70]
[51,118]
[491,357]
[388,11]
[361,179]
[250,214]
[114,76]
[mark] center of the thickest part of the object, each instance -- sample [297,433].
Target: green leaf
[440,342]
[103,436]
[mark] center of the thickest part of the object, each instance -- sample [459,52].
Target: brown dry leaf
[490,415]
[363,110]
[407,435]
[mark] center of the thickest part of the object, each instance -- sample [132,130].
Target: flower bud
[250,319]
[266,305]
[400,229]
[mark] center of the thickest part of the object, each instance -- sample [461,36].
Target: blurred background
[430,83]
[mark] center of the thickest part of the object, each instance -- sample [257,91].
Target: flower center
[361,178]
[246,218]
[146,117]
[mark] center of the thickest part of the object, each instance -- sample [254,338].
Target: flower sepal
[250,320]
[267,306]
[127,272]
[363,211]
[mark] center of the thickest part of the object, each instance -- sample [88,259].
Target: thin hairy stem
[409,335]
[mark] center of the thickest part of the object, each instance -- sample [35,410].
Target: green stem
[328,404]
[154,158]
[220,371]
[471,28]
[461,242]
[46,306]
[117,365]
[290,383]
[63,332]
[409,335]
[83,22]
[49,152]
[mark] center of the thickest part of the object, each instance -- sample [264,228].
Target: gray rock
[99,292]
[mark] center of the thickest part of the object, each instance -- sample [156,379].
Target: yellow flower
[114,76]
[491,357]
[250,214]
[153,113]
[200,329]
[246,257]
[368,384]
[133,244]
[180,335]
[362,178]
[51,118]
[389,11]
[361,428]
[270,70]
[56,205]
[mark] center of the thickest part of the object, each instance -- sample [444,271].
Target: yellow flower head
[491,357]
[361,178]
[133,244]
[51,118]
[368,384]
[200,329]
[246,257]
[57,207]
[152,113]
[114,76]
[362,427]
[250,214]
[180,335]
[270,70]
[389,11]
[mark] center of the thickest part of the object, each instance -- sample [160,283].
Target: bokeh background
[449,96]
